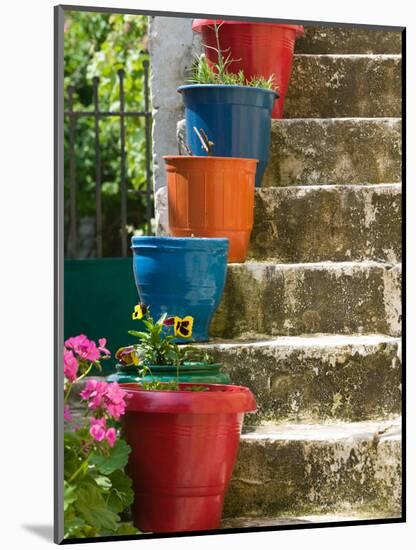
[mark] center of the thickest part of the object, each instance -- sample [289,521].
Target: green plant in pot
[157,359]
[184,436]
[97,491]
[233,110]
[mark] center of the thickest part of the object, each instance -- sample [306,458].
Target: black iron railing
[73,116]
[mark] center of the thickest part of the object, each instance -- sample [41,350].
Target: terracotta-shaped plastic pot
[237,119]
[184,446]
[181,277]
[212,197]
[264,49]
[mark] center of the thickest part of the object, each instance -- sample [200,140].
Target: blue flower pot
[181,276]
[236,118]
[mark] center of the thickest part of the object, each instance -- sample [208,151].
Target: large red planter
[258,49]
[184,446]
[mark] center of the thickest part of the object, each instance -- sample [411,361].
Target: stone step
[316,378]
[305,467]
[323,223]
[348,40]
[264,298]
[356,514]
[334,151]
[324,86]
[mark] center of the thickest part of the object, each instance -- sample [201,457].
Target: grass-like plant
[204,72]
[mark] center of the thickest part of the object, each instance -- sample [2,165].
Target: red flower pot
[184,446]
[259,49]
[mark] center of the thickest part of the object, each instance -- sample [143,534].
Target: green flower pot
[189,372]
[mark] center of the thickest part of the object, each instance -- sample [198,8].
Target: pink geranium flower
[70,366]
[94,391]
[110,436]
[67,413]
[101,346]
[98,428]
[114,393]
[116,410]
[108,397]
[85,349]
[115,400]
[89,389]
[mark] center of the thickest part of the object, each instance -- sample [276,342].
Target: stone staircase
[311,323]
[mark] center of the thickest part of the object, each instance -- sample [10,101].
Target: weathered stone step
[334,151]
[316,378]
[264,298]
[319,223]
[324,86]
[303,467]
[358,513]
[349,40]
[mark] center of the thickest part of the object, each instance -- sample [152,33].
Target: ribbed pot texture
[264,49]
[237,119]
[184,446]
[212,197]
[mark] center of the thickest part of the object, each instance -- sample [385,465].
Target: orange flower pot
[212,197]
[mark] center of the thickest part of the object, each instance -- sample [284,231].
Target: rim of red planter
[219,398]
[197,25]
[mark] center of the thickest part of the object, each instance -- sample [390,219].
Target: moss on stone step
[336,223]
[324,86]
[334,151]
[313,379]
[333,468]
[348,40]
[291,299]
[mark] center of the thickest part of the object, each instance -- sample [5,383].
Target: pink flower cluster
[70,365]
[105,398]
[99,431]
[67,413]
[85,349]
[108,397]
[80,349]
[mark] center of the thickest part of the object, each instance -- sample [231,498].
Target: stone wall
[172,46]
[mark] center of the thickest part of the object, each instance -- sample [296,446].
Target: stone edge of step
[330,120]
[324,517]
[331,187]
[322,120]
[370,56]
[255,265]
[308,341]
[336,432]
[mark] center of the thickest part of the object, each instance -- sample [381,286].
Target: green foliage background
[99,45]
[97,491]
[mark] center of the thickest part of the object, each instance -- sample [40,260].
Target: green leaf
[69,494]
[72,438]
[150,326]
[139,334]
[162,319]
[103,481]
[121,494]
[127,528]
[92,507]
[72,527]
[116,459]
